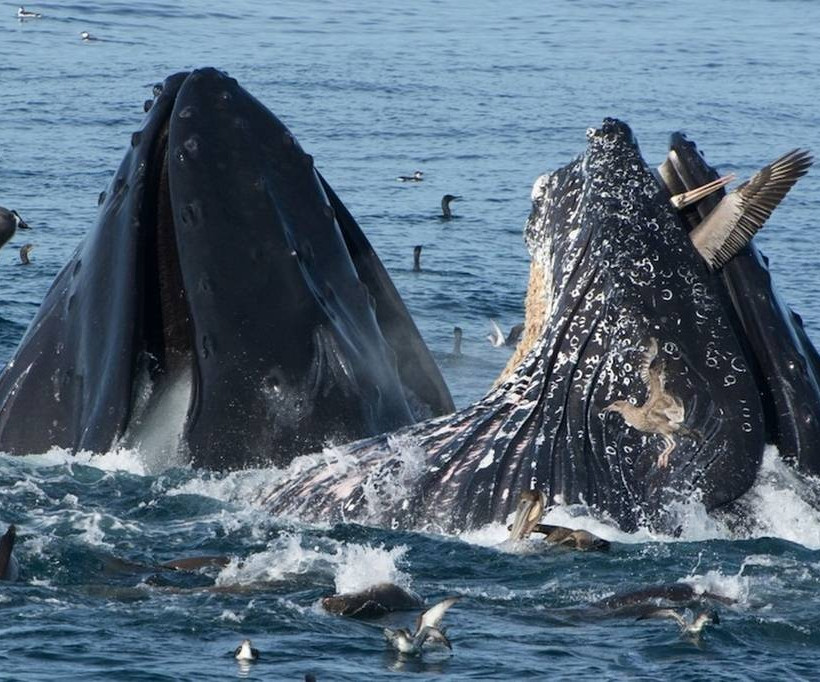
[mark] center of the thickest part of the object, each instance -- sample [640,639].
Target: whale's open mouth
[225,293]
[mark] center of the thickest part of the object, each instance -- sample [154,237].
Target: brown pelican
[417,258]
[246,652]
[691,627]
[528,514]
[417,176]
[661,413]
[743,211]
[427,629]
[446,213]
[9,222]
[25,250]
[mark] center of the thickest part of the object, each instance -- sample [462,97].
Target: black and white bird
[691,626]
[10,222]
[497,338]
[417,176]
[23,13]
[427,630]
[86,37]
[446,213]
[742,212]
[246,652]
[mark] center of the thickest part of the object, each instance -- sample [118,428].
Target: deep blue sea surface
[483,97]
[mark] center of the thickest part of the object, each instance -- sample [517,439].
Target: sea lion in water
[372,602]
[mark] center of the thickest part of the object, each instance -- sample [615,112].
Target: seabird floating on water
[417,258]
[687,627]
[9,222]
[85,36]
[528,514]
[417,176]
[25,250]
[246,652]
[427,629]
[457,334]
[743,211]
[446,213]
[23,13]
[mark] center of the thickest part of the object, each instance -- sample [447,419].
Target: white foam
[360,566]
[353,567]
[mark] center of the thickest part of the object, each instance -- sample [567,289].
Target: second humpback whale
[622,309]
[225,296]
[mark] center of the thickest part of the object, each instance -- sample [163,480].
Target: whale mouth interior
[163,388]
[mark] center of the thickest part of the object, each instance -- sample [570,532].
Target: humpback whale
[622,309]
[225,275]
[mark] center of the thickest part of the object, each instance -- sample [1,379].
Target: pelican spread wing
[742,212]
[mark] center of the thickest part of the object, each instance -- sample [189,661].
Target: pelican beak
[685,199]
[528,514]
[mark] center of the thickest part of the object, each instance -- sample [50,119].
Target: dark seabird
[25,250]
[692,627]
[246,652]
[661,413]
[417,258]
[417,176]
[9,222]
[743,211]
[497,338]
[446,213]
[23,13]
[9,570]
[528,514]
[427,629]
[457,334]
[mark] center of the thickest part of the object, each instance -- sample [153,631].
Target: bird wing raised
[497,336]
[735,220]
[432,616]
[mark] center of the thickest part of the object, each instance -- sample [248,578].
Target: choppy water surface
[483,99]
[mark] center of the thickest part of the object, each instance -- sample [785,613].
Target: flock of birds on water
[25,15]
[691,610]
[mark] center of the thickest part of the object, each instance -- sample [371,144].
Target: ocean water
[483,98]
